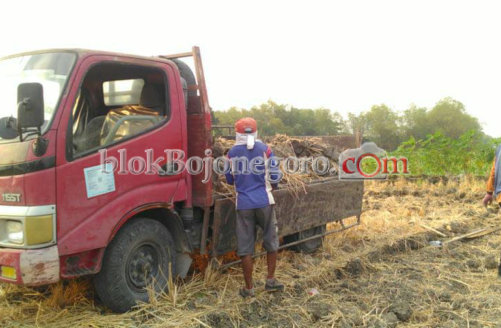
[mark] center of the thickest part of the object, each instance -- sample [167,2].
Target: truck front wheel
[139,257]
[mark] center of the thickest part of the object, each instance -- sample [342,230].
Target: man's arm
[230,179]
[274,167]
[490,185]
[490,182]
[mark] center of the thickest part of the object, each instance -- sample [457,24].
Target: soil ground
[383,273]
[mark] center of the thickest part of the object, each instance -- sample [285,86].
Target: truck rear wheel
[308,246]
[140,256]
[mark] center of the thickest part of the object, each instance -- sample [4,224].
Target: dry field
[380,274]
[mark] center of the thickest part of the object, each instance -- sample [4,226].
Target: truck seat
[151,97]
[129,120]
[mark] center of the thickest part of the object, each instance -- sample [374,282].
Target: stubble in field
[379,274]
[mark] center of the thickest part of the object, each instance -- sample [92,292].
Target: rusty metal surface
[201,192]
[323,202]
[223,227]
[205,230]
[180,55]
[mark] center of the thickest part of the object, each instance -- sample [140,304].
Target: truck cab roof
[85,53]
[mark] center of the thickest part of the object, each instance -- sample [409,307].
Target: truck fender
[90,261]
[167,216]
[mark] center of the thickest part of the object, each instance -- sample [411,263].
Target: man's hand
[487,199]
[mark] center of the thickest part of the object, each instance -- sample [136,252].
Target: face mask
[250,142]
[248,139]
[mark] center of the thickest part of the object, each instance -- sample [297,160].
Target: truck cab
[58,210]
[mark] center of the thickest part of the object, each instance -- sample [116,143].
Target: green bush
[471,153]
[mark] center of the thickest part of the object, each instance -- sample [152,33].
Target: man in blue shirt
[254,174]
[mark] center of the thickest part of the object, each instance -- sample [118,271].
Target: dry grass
[365,276]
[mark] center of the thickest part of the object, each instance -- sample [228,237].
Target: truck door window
[117,102]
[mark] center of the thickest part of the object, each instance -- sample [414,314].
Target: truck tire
[140,255]
[187,74]
[308,246]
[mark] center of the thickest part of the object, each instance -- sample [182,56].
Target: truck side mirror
[30,110]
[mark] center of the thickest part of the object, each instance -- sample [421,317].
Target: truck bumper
[32,267]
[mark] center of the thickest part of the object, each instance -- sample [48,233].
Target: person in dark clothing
[254,173]
[493,190]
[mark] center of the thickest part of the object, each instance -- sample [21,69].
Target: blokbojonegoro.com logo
[370,162]
[366,162]
[175,161]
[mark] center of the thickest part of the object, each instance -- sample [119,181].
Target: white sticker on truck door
[99,180]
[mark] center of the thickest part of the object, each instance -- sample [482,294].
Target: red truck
[62,216]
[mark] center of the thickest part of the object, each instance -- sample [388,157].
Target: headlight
[15,232]
[28,231]
[27,226]
[39,229]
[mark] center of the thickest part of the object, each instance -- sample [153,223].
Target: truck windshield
[49,69]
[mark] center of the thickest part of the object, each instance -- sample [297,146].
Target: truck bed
[323,202]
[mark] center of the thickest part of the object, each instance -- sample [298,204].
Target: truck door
[127,107]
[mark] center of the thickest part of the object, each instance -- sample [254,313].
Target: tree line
[386,127]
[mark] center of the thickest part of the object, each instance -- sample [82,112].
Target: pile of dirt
[284,147]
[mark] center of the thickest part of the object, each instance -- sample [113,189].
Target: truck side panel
[321,203]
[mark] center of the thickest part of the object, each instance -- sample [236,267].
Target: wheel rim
[142,266]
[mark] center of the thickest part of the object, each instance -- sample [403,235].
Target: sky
[341,55]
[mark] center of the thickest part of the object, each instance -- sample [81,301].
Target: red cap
[246,125]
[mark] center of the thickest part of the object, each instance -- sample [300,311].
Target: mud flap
[183,263]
